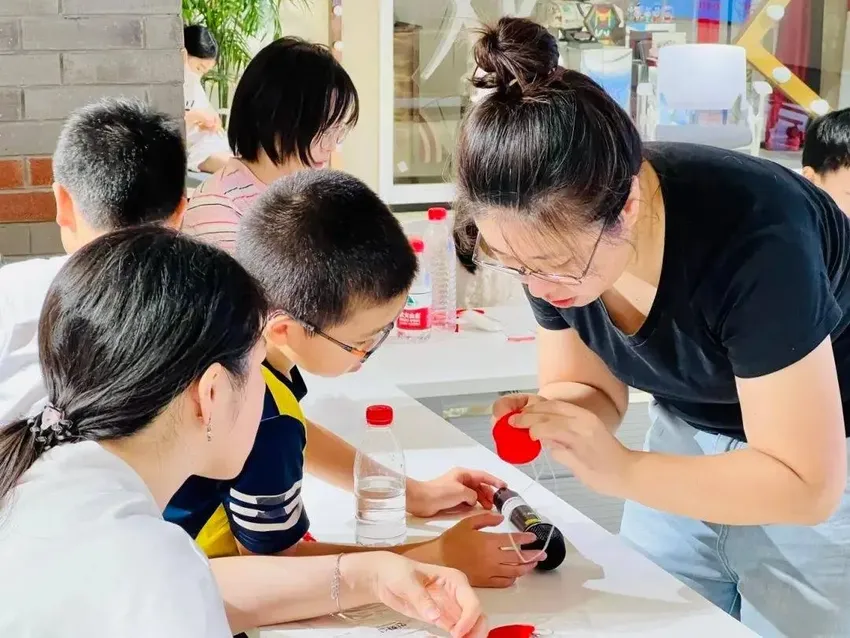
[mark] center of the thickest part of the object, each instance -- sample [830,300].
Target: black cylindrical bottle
[519,513]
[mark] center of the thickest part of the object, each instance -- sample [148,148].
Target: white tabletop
[469,362]
[602,589]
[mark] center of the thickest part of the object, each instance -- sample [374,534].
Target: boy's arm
[488,559]
[331,459]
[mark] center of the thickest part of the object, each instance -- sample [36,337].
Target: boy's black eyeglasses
[357,352]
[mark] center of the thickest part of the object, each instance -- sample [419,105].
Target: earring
[209,431]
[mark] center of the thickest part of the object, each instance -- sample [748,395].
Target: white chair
[700,95]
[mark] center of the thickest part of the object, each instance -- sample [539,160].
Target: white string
[545,456]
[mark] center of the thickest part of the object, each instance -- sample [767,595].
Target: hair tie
[50,427]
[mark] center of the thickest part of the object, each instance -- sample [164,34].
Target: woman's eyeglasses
[481,256]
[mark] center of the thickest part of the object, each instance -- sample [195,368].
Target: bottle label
[417,312]
[519,513]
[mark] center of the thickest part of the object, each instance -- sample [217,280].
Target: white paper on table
[372,621]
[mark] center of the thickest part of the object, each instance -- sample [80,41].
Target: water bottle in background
[442,264]
[414,322]
[379,483]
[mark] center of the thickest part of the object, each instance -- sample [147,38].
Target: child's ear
[810,174]
[279,329]
[65,210]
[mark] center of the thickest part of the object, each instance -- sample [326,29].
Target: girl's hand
[204,120]
[579,440]
[437,595]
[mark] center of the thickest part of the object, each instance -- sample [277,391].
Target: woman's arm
[260,591]
[794,470]
[267,590]
[570,371]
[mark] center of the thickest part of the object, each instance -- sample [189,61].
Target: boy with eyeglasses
[336,267]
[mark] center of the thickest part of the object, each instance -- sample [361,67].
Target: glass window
[789,67]
[431,52]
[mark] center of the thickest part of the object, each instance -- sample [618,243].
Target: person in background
[291,109]
[151,345]
[714,281]
[206,143]
[826,155]
[336,267]
[118,163]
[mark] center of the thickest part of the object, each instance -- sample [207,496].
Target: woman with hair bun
[714,281]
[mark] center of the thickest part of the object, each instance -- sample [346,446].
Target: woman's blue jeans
[787,581]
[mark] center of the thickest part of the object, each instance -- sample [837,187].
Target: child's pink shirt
[218,204]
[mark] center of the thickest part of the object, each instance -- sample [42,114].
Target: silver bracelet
[335,583]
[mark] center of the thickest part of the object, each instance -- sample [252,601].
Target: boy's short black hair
[827,143]
[322,244]
[292,92]
[122,162]
[199,42]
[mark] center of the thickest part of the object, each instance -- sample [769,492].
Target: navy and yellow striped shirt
[261,508]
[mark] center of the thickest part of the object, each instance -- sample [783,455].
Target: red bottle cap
[514,445]
[417,245]
[379,416]
[512,631]
[437,214]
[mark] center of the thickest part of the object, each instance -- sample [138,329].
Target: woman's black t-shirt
[754,277]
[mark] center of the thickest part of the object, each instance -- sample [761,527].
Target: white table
[470,362]
[603,588]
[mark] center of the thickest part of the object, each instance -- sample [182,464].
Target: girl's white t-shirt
[84,551]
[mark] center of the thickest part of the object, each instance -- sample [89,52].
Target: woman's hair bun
[516,52]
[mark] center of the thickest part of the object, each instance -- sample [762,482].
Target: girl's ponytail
[18,451]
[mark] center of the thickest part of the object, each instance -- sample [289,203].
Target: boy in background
[118,163]
[336,267]
[826,156]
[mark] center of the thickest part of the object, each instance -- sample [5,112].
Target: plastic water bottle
[442,263]
[414,322]
[379,483]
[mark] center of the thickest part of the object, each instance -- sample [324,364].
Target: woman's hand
[579,440]
[513,403]
[488,559]
[437,595]
[457,490]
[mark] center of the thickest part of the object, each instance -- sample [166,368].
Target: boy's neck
[279,361]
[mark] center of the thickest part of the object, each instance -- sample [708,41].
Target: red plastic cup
[514,445]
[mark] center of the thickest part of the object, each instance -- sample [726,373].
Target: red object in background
[793,50]
[512,631]
[308,538]
[514,445]
[793,40]
[708,31]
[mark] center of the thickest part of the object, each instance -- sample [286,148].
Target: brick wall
[56,55]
